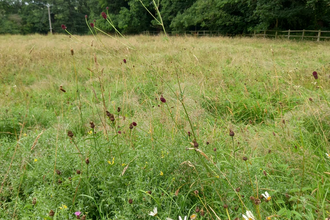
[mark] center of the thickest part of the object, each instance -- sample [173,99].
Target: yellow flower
[35,160]
[217,177]
[24,134]
[161,173]
[90,132]
[113,161]
[124,164]
[64,206]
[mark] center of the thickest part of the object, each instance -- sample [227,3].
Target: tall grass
[195,126]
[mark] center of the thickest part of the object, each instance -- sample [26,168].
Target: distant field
[193,126]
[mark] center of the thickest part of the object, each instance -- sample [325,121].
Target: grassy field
[197,127]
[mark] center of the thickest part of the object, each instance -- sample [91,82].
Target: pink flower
[104,15]
[77,213]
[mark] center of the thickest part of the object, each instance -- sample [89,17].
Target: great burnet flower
[104,15]
[315,75]
[248,216]
[266,196]
[63,26]
[154,212]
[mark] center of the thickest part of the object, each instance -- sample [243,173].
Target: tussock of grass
[261,89]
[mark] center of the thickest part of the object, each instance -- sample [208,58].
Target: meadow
[197,127]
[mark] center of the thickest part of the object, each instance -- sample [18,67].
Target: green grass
[261,89]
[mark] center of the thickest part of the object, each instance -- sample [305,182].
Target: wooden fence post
[264,34]
[289,34]
[319,35]
[275,34]
[303,34]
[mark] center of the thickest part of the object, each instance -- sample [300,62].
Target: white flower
[248,216]
[154,213]
[328,155]
[185,218]
[169,219]
[266,196]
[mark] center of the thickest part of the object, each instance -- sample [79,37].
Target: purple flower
[92,25]
[104,15]
[134,124]
[63,26]
[124,60]
[315,75]
[77,213]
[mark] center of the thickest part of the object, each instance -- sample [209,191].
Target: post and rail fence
[316,35]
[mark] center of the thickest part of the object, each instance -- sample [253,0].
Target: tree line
[131,17]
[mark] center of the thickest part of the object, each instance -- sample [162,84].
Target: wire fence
[315,35]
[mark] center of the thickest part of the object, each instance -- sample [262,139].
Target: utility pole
[50,22]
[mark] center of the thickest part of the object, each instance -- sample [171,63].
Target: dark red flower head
[107,8]
[124,60]
[162,99]
[104,15]
[63,26]
[85,16]
[315,75]
[92,25]
[134,124]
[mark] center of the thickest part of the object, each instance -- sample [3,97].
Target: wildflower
[87,161]
[107,8]
[130,201]
[315,75]
[85,16]
[90,132]
[34,201]
[245,158]
[154,212]
[63,27]
[185,218]
[161,173]
[35,160]
[77,214]
[124,164]
[51,213]
[58,172]
[70,134]
[162,99]
[104,15]
[328,155]
[248,216]
[124,60]
[113,161]
[231,133]
[78,172]
[92,125]
[92,25]
[24,134]
[266,196]
[193,216]
[134,124]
